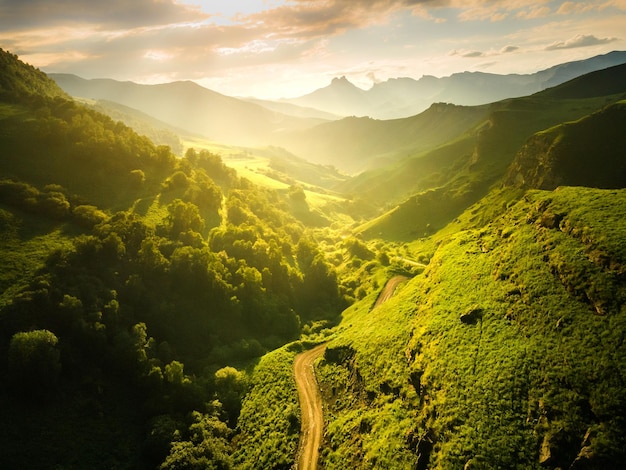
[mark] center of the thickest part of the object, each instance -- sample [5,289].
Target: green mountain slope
[21,81]
[507,352]
[354,144]
[447,180]
[608,81]
[157,131]
[587,152]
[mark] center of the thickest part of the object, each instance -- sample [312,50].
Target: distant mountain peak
[342,81]
[404,96]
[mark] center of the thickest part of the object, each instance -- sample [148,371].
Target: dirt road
[309,393]
[389,289]
[311,407]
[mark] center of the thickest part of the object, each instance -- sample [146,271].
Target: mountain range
[309,126]
[191,107]
[403,97]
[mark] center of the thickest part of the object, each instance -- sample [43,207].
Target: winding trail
[389,289]
[311,406]
[312,426]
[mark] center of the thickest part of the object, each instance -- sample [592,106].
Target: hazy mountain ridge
[402,97]
[293,109]
[189,106]
[355,144]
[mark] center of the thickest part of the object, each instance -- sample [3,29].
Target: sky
[285,48]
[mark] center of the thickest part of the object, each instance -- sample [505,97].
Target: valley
[191,280]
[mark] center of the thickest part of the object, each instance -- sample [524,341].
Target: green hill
[587,152]
[355,144]
[438,185]
[22,81]
[507,352]
[604,82]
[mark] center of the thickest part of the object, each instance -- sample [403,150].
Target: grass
[323,206]
[269,423]
[537,366]
[27,241]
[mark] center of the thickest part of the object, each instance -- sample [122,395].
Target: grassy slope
[27,242]
[469,167]
[560,155]
[353,144]
[537,369]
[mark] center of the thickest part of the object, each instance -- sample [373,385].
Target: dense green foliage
[270,417]
[157,275]
[22,81]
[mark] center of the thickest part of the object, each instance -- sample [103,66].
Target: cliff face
[534,165]
[588,152]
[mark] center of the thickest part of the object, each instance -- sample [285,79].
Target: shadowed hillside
[587,152]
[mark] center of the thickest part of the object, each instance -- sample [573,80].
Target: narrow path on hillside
[310,406]
[312,423]
[389,289]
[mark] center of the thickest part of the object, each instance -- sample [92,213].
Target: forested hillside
[134,283]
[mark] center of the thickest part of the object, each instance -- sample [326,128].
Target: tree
[230,385]
[206,449]
[183,216]
[34,362]
[296,193]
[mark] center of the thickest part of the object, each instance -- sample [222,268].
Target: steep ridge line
[311,408]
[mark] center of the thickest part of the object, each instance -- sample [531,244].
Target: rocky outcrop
[589,152]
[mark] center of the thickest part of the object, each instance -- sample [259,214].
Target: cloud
[490,53]
[468,54]
[373,78]
[110,14]
[581,40]
[533,13]
[473,54]
[569,7]
[508,49]
[306,19]
[482,10]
